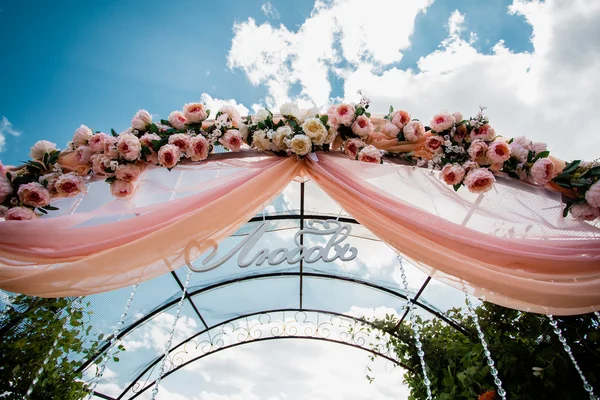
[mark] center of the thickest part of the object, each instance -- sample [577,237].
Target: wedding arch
[194,200]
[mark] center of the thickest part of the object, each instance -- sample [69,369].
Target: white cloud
[214,104]
[154,334]
[269,10]
[6,128]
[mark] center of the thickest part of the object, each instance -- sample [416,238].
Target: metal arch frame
[351,342]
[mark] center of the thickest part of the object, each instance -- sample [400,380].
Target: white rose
[82,135]
[300,144]
[280,136]
[40,148]
[292,110]
[244,131]
[315,130]
[261,115]
[141,120]
[261,141]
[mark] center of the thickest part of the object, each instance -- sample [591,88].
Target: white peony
[261,115]
[281,135]
[141,120]
[261,141]
[40,148]
[300,144]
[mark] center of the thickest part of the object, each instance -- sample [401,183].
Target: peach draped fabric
[509,246]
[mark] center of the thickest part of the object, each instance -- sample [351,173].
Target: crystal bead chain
[38,373]
[597,314]
[105,356]
[588,388]
[163,363]
[415,329]
[501,392]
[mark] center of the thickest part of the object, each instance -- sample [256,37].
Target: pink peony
[484,132]
[34,194]
[400,118]
[519,152]
[195,112]
[370,154]
[542,171]
[121,189]
[198,149]
[453,174]
[442,122]
[83,154]
[390,130]
[470,165]
[584,211]
[146,140]
[332,118]
[233,114]
[82,135]
[479,180]
[434,143]
[177,120]
[498,152]
[128,172]
[69,185]
[592,196]
[110,147]
[20,214]
[41,148]
[477,151]
[523,142]
[180,140]
[352,147]
[457,117]
[129,146]
[141,120]
[169,155]
[362,126]
[232,140]
[100,163]
[6,188]
[96,142]
[538,147]
[344,114]
[49,181]
[413,131]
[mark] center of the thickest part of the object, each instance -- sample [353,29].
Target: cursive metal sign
[247,256]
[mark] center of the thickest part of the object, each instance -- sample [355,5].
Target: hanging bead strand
[76,302]
[163,363]
[415,328]
[490,361]
[588,388]
[104,360]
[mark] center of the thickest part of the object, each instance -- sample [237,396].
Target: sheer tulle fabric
[509,246]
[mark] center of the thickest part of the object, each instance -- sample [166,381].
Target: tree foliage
[531,361]
[27,334]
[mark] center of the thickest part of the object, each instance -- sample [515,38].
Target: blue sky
[97,63]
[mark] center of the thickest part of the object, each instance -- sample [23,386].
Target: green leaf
[530,156]
[456,187]
[146,150]
[570,167]
[578,182]
[391,111]
[324,119]
[164,122]
[154,128]
[541,154]
[595,171]
[42,210]
[511,140]
[51,208]
[113,132]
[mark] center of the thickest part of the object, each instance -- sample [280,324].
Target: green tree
[27,333]
[531,361]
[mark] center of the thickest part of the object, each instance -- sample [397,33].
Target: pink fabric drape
[546,276]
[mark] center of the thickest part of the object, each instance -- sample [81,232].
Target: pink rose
[498,152]
[442,122]
[121,189]
[542,171]
[232,140]
[453,174]
[362,126]
[390,130]
[20,214]
[147,138]
[434,143]
[479,180]
[169,155]
[141,120]
[49,181]
[100,164]
[344,114]
[180,140]
[129,146]
[413,131]
[6,188]
[195,112]
[69,185]
[82,135]
[592,196]
[34,194]
[484,132]
[198,149]
[177,120]
[331,118]
[96,142]
[83,154]
[233,114]
[584,211]
[457,117]
[370,154]
[110,147]
[400,118]
[477,151]
[352,147]
[128,172]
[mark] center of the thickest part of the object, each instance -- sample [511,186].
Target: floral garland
[467,152]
